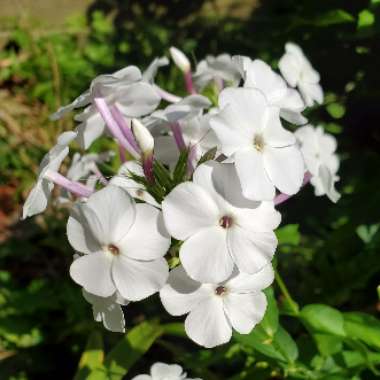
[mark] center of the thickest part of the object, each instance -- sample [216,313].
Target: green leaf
[131,347]
[336,16]
[281,346]
[180,169]
[356,359]
[336,110]
[288,234]
[270,320]
[365,19]
[323,319]
[364,327]
[209,155]
[328,344]
[92,357]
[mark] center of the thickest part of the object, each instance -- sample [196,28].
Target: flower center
[258,143]
[220,290]
[113,250]
[225,221]
[140,192]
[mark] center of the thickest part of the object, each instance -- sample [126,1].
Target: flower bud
[180,59]
[143,137]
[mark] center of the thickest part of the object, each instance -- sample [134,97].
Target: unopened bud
[180,59]
[143,137]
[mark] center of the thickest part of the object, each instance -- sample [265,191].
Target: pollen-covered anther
[220,290]
[225,221]
[258,143]
[113,249]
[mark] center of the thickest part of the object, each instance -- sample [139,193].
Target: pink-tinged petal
[275,135]
[147,239]
[181,294]
[285,167]
[251,251]
[205,256]
[136,280]
[93,272]
[188,209]
[115,210]
[245,311]
[251,283]
[255,182]
[207,324]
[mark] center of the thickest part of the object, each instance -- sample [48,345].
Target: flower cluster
[190,213]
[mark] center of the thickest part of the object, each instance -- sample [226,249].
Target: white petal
[113,318]
[115,210]
[38,198]
[274,133]
[137,99]
[166,371]
[311,92]
[182,294]
[230,132]
[251,251]
[188,209]
[90,129]
[263,218]
[207,324]
[93,272]
[80,235]
[166,151]
[290,68]
[142,377]
[205,256]
[327,181]
[249,106]
[255,182]
[147,239]
[245,311]
[251,283]
[293,117]
[136,280]
[285,167]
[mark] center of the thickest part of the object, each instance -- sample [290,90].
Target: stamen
[220,290]
[225,221]
[258,143]
[113,249]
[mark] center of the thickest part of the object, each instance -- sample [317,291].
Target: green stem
[281,284]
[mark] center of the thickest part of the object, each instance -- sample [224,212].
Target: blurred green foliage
[328,254]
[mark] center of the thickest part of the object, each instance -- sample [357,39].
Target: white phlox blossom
[220,69]
[107,310]
[258,74]
[39,196]
[162,371]
[318,149]
[122,243]
[218,226]
[298,72]
[215,309]
[266,155]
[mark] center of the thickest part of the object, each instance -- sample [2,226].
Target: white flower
[135,189]
[265,154]
[260,75]
[107,310]
[318,149]
[298,72]
[162,371]
[218,225]
[180,59]
[219,69]
[39,196]
[123,245]
[151,71]
[214,309]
